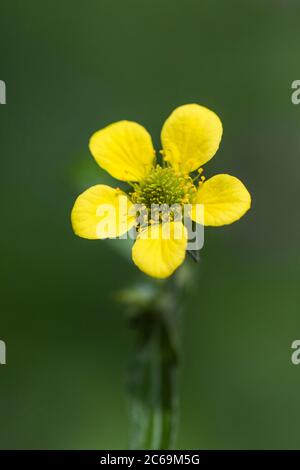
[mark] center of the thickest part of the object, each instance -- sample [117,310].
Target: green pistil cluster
[163,186]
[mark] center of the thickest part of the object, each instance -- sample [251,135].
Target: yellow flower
[190,137]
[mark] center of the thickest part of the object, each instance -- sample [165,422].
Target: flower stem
[153,383]
[153,309]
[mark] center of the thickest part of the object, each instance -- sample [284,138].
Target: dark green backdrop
[72,67]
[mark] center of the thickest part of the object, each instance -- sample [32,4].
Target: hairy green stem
[153,309]
[153,384]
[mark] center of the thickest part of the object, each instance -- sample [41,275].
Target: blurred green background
[71,67]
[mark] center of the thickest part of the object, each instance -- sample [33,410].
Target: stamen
[163,186]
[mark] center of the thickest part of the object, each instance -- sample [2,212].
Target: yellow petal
[160,249]
[124,149]
[101,212]
[225,200]
[190,137]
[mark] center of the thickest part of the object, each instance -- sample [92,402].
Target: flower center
[163,186]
